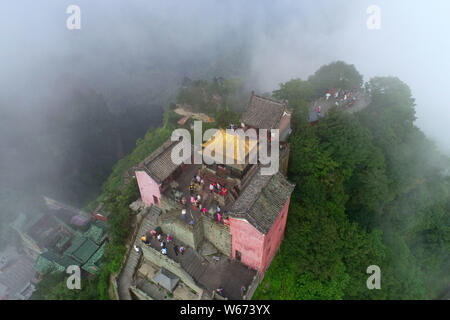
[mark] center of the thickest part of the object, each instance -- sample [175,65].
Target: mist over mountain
[73,102]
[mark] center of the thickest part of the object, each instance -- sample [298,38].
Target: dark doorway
[156,200]
[238,256]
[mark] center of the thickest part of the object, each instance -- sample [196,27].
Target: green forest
[371,189]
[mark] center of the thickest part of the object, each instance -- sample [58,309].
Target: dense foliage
[54,287]
[370,190]
[335,75]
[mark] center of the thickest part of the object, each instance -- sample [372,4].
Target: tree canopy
[370,190]
[335,75]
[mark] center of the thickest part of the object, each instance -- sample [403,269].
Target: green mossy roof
[85,251]
[96,234]
[50,260]
[94,263]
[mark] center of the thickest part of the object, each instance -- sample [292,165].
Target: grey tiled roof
[263,113]
[17,276]
[262,200]
[159,164]
[166,279]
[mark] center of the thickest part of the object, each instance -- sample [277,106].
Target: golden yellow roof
[228,145]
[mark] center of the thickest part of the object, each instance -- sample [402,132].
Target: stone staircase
[127,274]
[191,261]
[149,222]
[194,264]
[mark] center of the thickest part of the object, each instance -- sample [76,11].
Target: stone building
[244,215]
[267,113]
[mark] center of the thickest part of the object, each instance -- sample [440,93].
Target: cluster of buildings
[63,236]
[244,225]
[52,239]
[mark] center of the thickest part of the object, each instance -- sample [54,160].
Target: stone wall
[139,294]
[284,159]
[218,234]
[114,291]
[160,260]
[198,233]
[168,204]
[248,241]
[189,235]
[253,286]
[205,228]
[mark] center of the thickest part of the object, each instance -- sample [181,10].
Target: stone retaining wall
[253,286]
[141,295]
[218,234]
[193,235]
[160,260]
[178,229]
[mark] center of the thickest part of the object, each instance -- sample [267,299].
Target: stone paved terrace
[228,274]
[183,182]
[225,273]
[362,101]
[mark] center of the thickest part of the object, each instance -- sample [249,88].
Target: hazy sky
[122,44]
[412,44]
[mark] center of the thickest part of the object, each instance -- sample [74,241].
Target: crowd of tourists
[163,241]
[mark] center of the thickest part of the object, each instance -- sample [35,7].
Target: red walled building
[258,219]
[156,172]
